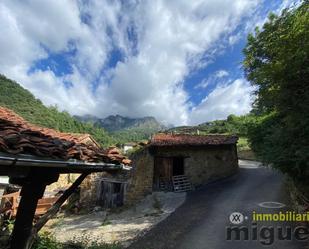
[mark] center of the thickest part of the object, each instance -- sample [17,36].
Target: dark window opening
[178,166]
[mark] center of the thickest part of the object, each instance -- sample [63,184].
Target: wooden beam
[30,194]
[55,208]
[33,187]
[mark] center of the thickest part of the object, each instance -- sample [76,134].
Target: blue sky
[179,61]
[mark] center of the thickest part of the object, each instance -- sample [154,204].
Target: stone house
[199,159]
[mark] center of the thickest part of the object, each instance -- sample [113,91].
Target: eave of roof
[10,163]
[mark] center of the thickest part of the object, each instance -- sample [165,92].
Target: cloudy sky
[176,60]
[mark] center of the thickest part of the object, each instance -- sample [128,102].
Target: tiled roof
[17,136]
[162,139]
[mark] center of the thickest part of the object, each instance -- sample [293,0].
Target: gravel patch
[123,227]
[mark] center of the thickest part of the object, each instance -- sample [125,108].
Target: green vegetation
[47,241]
[237,125]
[20,100]
[132,135]
[233,125]
[276,62]
[243,144]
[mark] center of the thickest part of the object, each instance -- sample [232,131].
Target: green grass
[243,144]
[48,241]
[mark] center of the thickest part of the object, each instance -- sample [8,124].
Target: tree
[21,101]
[276,62]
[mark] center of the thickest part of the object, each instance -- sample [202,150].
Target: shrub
[46,240]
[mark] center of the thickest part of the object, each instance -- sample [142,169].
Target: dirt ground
[123,227]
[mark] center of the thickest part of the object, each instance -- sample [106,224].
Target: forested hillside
[234,125]
[20,100]
[237,125]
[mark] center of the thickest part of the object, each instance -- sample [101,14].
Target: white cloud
[221,73]
[213,79]
[169,40]
[235,98]
[233,39]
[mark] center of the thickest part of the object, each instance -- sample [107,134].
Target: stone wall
[64,181]
[204,164]
[141,176]
[89,189]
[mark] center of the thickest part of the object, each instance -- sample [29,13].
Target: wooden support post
[33,187]
[55,208]
[30,194]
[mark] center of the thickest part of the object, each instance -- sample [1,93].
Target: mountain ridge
[114,123]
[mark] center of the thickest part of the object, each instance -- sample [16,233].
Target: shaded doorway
[164,170]
[178,166]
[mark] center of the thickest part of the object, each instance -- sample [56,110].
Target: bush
[46,240]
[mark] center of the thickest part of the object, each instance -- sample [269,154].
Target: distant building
[128,146]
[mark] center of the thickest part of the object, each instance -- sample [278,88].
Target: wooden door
[111,194]
[163,171]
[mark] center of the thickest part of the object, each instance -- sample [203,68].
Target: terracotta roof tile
[163,139]
[17,136]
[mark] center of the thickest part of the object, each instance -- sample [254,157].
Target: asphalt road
[202,221]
